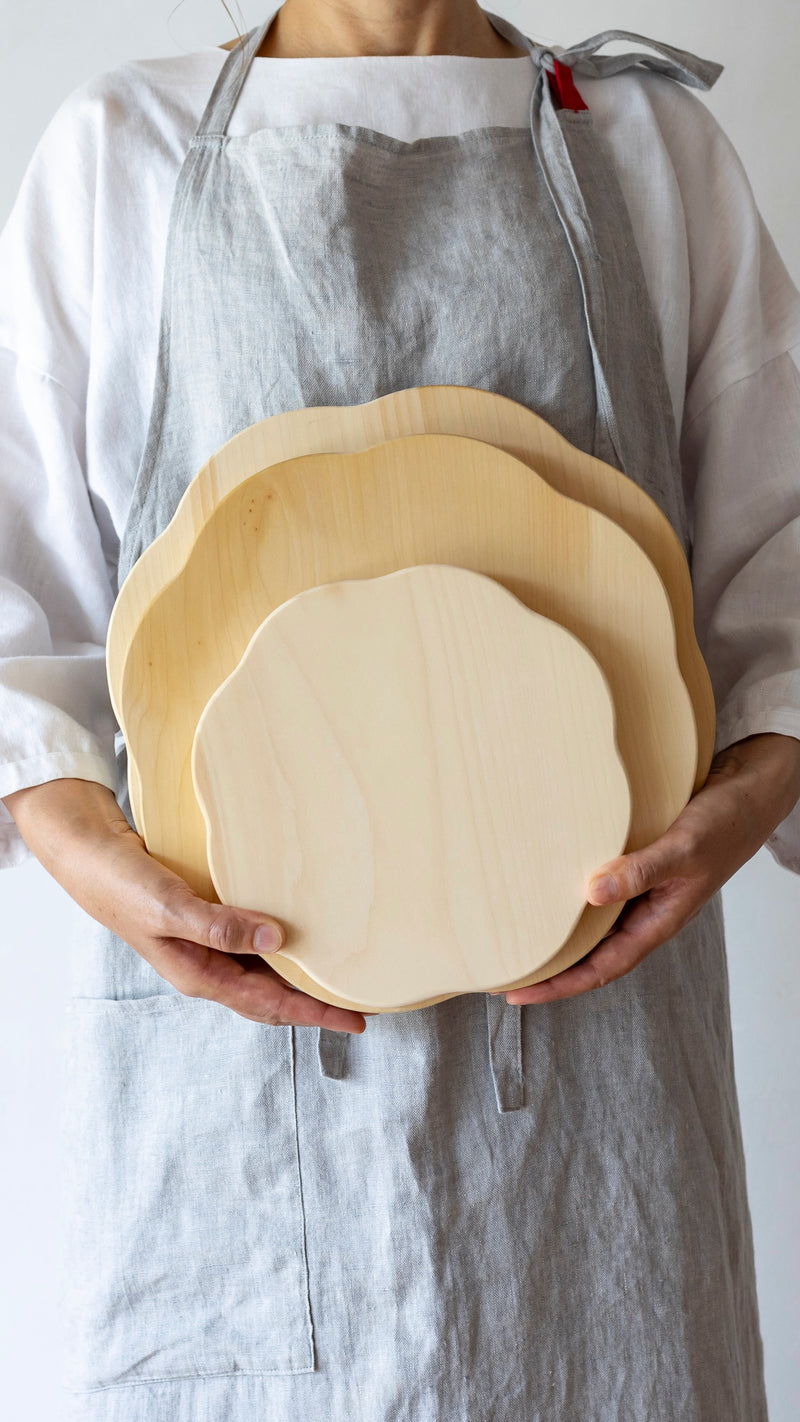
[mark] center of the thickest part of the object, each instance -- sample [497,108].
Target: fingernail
[604,888]
[267,938]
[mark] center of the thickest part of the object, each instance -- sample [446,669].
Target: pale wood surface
[445,409]
[416,774]
[436,498]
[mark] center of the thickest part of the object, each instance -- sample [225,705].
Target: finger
[254,991]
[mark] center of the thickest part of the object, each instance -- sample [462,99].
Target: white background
[47,47]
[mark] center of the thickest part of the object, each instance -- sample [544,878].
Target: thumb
[229,929]
[629,875]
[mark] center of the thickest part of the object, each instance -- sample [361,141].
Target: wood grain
[416,774]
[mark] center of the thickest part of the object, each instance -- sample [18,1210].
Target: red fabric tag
[562,87]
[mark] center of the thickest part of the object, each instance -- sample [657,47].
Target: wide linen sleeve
[55,585]
[741,460]
[746,561]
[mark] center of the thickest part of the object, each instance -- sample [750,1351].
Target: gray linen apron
[474,1210]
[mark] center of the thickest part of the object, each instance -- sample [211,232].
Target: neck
[308,29]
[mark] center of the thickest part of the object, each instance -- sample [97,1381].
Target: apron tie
[504,1025]
[676,64]
[582,58]
[333,1053]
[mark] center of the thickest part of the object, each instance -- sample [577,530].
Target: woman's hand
[751,787]
[78,832]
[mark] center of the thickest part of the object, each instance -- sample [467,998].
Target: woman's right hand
[78,832]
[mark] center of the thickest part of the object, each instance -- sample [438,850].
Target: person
[496,1207]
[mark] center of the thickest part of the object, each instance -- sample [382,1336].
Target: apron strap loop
[504,1024]
[333,1053]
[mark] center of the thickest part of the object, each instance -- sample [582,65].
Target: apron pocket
[185,1240]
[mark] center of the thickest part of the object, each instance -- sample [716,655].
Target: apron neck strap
[582,58]
[230,80]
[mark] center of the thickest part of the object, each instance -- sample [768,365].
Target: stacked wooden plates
[403,675]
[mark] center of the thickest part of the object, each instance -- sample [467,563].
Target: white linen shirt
[81,268]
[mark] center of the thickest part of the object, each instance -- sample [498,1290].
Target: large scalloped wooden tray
[420,499]
[416,774]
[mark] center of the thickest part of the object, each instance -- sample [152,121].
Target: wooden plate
[423,498]
[436,409]
[416,774]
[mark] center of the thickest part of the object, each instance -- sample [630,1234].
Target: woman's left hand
[751,787]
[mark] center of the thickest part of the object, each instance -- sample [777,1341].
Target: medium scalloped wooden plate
[424,498]
[443,409]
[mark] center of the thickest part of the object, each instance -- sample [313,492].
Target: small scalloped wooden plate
[422,498]
[416,774]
